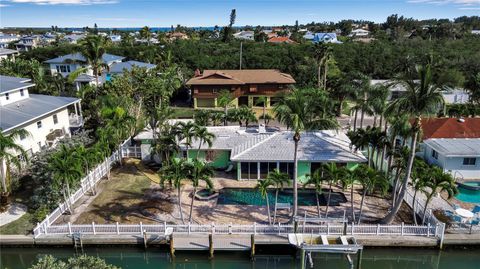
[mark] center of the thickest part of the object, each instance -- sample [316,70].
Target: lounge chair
[476,209]
[476,221]
[457,219]
[324,239]
[229,168]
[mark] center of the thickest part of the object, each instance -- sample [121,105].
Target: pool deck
[153,239]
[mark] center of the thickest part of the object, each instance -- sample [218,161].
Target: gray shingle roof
[31,109]
[119,67]
[7,51]
[455,146]
[78,57]
[321,146]
[8,83]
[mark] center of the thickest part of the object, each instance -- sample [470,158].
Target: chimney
[198,73]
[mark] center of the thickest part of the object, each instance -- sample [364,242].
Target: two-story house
[245,86]
[46,118]
[8,54]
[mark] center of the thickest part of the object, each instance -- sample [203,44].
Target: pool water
[468,196]
[240,196]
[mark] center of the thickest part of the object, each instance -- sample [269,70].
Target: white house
[115,38]
[7,39]
[326,38]
[45,117]
[359,33]
[245,35]
[452,144]
[7,54]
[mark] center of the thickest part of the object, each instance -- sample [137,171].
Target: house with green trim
[254,152]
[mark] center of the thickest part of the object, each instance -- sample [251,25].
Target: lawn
[127,197]
[182,112]
[23,225]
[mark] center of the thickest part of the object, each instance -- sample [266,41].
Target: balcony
[54,136]
[76,121]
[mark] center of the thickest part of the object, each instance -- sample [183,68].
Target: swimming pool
[242,196]
[468,194]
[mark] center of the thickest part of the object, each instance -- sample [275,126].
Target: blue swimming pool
[243,196]
[468,193]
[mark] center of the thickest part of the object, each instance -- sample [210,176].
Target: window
[314,167]
[58,68]
[22,136]
[469,161]
[287,168]
[249,170]
[7,96]
[63,68]
[435,154]
[39,124]
[22,93]
[266,168]
[55,119]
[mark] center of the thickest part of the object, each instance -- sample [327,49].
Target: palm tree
[262,186]
[93,48]
[399,126]
[262,100]
[348,180]
[370,180]
[146,34]
[399,163]
[438,182]
[316,179]
[278,179]
[332,175]
[419,181]
[224,99]
[117,119]
[11,153]
[421,98]
[174,173]
[66,170]
[199,171]
[295,111]
[204,136]
[186,131]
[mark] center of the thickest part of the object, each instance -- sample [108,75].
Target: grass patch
[182,112]
[23,225]
[127,197]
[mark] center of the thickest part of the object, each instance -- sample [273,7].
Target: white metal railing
[86,185]
[278,229]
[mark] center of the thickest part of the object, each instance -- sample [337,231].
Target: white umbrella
[464,213]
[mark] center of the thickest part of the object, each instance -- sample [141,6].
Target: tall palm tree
[333,175]
[421,98]
[419,180]
[371,180]
[278,179]
[66,170]
[399,126]
[348,180]
[316,180]
[175,173]
[93,48]
[11,153]
[204,136]
[262,186]
[439,182]
[199,171]
[117,119]
[295,111]
[186,132]
[224,99]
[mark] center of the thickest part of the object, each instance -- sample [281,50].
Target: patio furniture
[464,213]
[229,168]
[476,209]
[457,219]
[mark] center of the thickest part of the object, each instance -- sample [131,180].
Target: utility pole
[241,50]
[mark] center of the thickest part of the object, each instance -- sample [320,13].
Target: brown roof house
[246,86]
[281,39]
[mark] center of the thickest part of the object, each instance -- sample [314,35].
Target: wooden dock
[220,242]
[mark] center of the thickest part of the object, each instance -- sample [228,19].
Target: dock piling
[172,247]
[359,259]
[252,246]
[210,245]
[145,238]
[302,258]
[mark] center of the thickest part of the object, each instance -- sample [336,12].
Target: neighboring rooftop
[469,147]
[450,128]
[120,67]
[30,109]
[241,77]
[78,57]
[7,52]
[8,84]
[281,39]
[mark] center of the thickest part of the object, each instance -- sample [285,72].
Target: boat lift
[309,244]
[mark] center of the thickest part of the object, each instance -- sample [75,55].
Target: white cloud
[66,2]
[3,5]
[444,2]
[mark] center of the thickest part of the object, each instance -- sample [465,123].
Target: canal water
[16,258]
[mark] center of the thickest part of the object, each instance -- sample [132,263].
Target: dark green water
[242,196]
[16,258]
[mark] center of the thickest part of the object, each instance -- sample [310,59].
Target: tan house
[246,86]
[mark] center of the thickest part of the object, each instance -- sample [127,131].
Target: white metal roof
[455,147]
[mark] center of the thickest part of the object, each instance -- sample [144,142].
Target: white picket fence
[279,229]
[86,185]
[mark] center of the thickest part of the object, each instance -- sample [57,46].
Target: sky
[164,13]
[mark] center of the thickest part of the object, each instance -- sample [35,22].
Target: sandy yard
[130,197]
